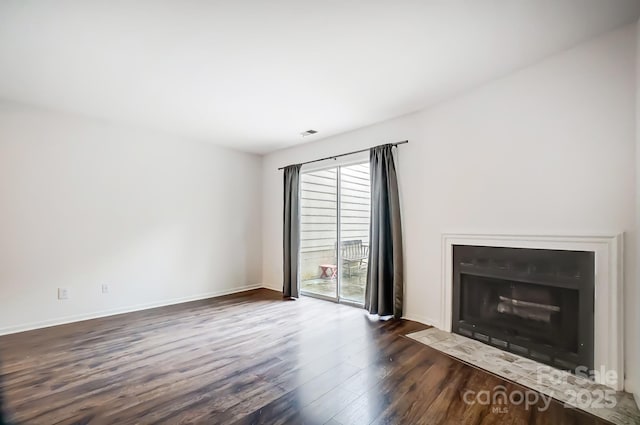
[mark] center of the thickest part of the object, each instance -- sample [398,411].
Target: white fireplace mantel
[608,301]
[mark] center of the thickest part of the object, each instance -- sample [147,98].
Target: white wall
[84,203]
[549,149]
[635,380]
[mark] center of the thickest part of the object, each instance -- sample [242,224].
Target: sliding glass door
[335,232]
[355,201]
[319,233]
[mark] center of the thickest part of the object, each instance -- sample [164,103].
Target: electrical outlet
[63,293]
[105,288]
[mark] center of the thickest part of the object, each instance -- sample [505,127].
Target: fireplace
[537,303]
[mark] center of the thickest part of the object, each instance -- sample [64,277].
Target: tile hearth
[523,371]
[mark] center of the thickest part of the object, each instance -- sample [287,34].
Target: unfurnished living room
[319,212]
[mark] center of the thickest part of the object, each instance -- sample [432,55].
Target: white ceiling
[253,74]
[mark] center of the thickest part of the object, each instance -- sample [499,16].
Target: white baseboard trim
[274,288]
[424,320]
[120,310]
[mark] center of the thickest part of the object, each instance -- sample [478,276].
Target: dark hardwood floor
[250,358]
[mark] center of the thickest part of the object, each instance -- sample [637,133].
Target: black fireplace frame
[559,268]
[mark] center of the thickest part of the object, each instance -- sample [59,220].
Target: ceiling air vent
[308,133]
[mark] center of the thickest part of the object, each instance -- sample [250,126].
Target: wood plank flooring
[249,358]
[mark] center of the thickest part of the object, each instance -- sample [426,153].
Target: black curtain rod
[348,153]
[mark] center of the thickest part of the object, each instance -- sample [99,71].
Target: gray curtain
[291,230]
[385,283]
